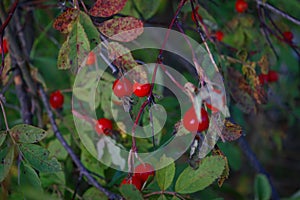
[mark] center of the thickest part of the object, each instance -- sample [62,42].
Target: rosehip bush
[81,111]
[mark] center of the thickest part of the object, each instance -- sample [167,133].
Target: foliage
[42,156]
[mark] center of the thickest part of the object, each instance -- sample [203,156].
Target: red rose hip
[103,126]
[141,90]
[191,123]
[122,87]
[144,171]
[56,99]
[241,6]
[288,36]
[263,78]
[273,76]
[133,181]
[219,35]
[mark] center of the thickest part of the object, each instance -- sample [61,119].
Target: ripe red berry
[241,6]
[141,90]
[273,76]
[133,181]
[5,49]
[91,59]
[103,126]
[219,35]
[56,99]
[288,36]
[263,78]
[122,87]
[191,123]
[144,171]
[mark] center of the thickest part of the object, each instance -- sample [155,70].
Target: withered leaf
[231,131]
[241,91]
[64,21]
[107,8]
[263,63]
[216,151]
[123,29]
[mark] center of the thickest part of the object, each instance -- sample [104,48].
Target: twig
[256,164]
[23,97]
[278,11]
[262,20]
[4,114]
[75,159]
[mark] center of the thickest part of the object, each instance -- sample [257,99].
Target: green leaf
[79,46]
[3,135]
[28,177]
[91,31]
[94,194]
[6,160]
[162,197]
[56,149]
[190,180]
[91,163]
[38,157]
[50,179]
[24,133]
[262,188]
[63,60]
[165,175]
[147,8]
[129,192]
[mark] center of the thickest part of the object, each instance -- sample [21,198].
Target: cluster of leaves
[30,157]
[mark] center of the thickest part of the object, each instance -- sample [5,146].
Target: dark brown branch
[256,164]
[75,159]
[23,97]
[278,11]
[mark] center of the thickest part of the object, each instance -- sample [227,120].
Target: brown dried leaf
[107,8]
[231,131]
[259,93]
[123,29]
[64,21]
[241,91]
[263,63]
[216,151]
[7,66]
[123,59]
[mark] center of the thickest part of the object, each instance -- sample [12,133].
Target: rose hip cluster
[270,77]
[141,174]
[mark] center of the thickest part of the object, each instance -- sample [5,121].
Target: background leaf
[165,175]
[37,157]
[190,180]
[28,177]
[6,158]
[129,192]
[94,194]
[262,188]
[24,133]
